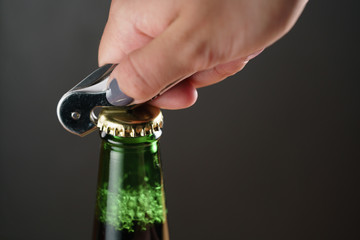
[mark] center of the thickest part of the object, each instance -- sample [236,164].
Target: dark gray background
[276,158]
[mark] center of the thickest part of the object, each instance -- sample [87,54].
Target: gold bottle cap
[140,121]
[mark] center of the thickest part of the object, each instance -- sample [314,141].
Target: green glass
[130,196]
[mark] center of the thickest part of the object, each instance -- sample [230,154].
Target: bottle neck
[130,196]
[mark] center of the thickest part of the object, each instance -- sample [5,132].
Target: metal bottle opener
[75,109]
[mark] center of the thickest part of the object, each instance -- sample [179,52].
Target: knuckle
[204,54]
[199,50]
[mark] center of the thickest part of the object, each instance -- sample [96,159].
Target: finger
[132,25]
[120,37]
[221,71]
[185,95]
[217,73]
[143,73]
[181,96]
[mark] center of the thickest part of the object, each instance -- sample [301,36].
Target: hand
[201,42]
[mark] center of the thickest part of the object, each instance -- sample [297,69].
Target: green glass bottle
[130,195]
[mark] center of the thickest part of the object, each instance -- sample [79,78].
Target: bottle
[130,203]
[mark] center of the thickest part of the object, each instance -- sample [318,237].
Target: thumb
[145,72]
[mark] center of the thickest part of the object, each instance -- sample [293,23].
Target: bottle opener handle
[75,109]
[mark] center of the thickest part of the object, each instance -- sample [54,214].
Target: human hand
[201,42]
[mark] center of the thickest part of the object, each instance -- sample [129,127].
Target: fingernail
[251,56]
[115,96]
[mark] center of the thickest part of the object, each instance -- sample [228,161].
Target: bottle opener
[75,109]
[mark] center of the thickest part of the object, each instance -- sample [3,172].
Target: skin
[157,42]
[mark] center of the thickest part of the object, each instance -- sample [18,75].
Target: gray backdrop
[277,158]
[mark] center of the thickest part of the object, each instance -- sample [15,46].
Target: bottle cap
[141,120]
